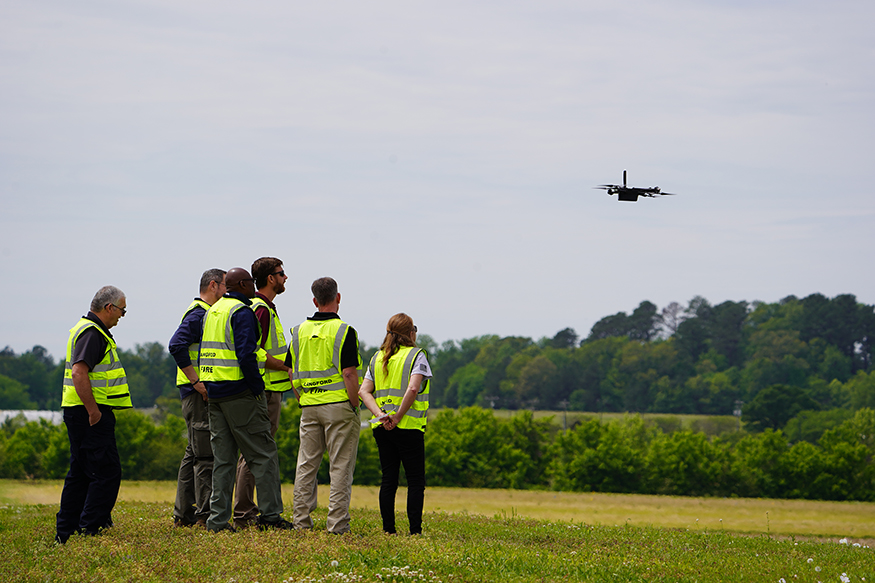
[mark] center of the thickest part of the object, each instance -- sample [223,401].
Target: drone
[631,193]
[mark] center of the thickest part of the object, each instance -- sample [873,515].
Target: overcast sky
[436,158]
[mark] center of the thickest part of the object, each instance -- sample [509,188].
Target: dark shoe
[225,527]
[180,523]
[241,523]
[201,523]
[278,524]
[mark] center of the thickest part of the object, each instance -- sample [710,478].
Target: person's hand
[94,417]
[202,389]
[391,423]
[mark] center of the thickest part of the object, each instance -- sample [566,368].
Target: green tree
[151,373]
[565,338]
[774,406]
[684,464]
[13,395]
[811,425]
[471,448]
[593,457]
[38,372]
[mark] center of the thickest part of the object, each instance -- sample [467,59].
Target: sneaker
[278,524]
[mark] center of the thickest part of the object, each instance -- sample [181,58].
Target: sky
[435,158]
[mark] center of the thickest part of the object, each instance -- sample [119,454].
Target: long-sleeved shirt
[246,336]
[188,333]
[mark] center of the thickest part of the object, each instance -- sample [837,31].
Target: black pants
[397,447]
[91,486]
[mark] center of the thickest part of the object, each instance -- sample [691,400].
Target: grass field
[459,547]
[799,518]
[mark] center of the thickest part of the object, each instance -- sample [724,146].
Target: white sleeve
[421,366]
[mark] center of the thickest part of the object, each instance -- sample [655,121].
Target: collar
[324,316]
[93,317]
[238,296]
[266,301]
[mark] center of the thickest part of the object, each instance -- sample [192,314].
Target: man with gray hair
[94,385]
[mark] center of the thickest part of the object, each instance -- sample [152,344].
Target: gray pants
[242,425]
[335,428]
[245,508]
[195,481]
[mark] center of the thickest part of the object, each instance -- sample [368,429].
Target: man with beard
[270,279]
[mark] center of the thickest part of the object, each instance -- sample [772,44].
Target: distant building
[55,417]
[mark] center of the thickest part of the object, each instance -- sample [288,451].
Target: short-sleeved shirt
[420,366]
[90,347]
[349,352]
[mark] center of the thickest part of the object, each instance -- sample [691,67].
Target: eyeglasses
[280,273]
[124,310]
[414,329]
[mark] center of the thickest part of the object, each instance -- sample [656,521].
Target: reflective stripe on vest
[274,380]
[316,373]
[109,383]
[193,349]
[390,389]
[217,360]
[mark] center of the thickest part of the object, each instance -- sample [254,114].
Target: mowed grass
[144,547]
[799,518]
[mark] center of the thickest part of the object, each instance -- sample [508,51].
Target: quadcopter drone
[631,193]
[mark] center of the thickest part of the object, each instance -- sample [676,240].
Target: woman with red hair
[395,390]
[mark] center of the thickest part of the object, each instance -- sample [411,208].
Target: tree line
[772,361]
[472,447]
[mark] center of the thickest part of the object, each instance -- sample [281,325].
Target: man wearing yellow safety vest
[194,483]
[94,385]
[228,366]
[326,371]
[270,281]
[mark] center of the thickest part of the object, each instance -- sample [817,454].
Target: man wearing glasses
[228,366]
[270,279]
[94,385]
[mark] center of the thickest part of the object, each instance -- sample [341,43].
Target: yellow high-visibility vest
[274,380]
[194,348]
[316,372]
[389,388]
[217,360]
[109,383]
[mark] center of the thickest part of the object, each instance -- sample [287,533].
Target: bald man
[228,367]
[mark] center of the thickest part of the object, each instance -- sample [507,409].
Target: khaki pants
[245,509]
[334,428]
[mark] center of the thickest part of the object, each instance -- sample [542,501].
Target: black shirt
[349,352]
[91,345]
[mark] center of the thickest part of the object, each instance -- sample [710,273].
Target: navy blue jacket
[188,333]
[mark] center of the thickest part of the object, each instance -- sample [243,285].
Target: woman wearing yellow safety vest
[395,390]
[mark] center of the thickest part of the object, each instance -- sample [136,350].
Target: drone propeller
[624,179]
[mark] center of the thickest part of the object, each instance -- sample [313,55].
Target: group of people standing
[234,365]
